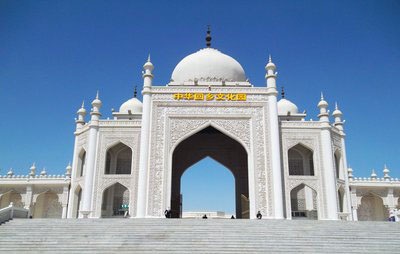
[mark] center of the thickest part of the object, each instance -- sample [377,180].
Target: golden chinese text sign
[210,96]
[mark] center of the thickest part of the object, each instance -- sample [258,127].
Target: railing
[11,212]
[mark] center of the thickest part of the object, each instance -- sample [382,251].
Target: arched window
[81,162]
[300,161]
[77,202]
[338,167]
[118,160]
[303,201]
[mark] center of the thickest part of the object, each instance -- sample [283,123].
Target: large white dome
[208,64]
[286,107]
[134,106]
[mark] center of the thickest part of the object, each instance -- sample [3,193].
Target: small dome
[286,107]
[134,105]
[208,64]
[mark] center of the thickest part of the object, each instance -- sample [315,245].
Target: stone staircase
[197,236]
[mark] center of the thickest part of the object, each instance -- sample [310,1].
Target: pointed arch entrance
[223,149]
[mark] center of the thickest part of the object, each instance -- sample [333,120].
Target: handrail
[10,212]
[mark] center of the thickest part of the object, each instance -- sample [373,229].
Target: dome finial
[208,37]
[269,59]
[322,96]
[135,92]
[148,58]
[97,94]
[283,92]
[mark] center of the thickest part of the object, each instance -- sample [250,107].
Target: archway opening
[301,161]
[77,201]
[341,198]
[372,209]
[303,201]
[11,196]
[208,186]
[115,201]
[47,205]
[118,160]
[210,142]
[338,165]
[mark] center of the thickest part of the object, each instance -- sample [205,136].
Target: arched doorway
[47,205]
[211,142]
[303,201]
[11,196]
[218,195]
[115,201]
[372,209]
[77,202]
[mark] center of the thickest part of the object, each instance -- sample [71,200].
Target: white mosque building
[285,167]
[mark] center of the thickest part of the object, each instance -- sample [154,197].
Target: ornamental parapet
[374,180]
[120,123]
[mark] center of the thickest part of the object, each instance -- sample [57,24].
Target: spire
[323,109]
[270,59]
[208,37]
[83,104]
[283,91]
[33,169]
[97,94]
[148,58]
[135,92]
[386,173]
[10,172]
[43,172]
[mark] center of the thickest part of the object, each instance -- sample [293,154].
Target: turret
[68,170]
[33,170]
[386,172]
[271,75]
[80,122]
[96,105]
[350,173]
[337,114]
[373,175]
[43,172]
[147,75]
[323,110]
[10,172]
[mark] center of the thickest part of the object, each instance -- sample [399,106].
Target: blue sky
[54,54]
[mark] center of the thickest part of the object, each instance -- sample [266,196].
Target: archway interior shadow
[223,149]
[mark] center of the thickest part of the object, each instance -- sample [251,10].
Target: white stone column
[327,162]
[354,204]
[144,141]
[274,140]
[91,157]
[80,123]
[337,114]
[28,199]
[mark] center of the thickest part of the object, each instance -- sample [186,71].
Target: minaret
[275,141]
[327,160]
[80,122]
[386,172]
[91,155]
[145,140]
[337,114]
